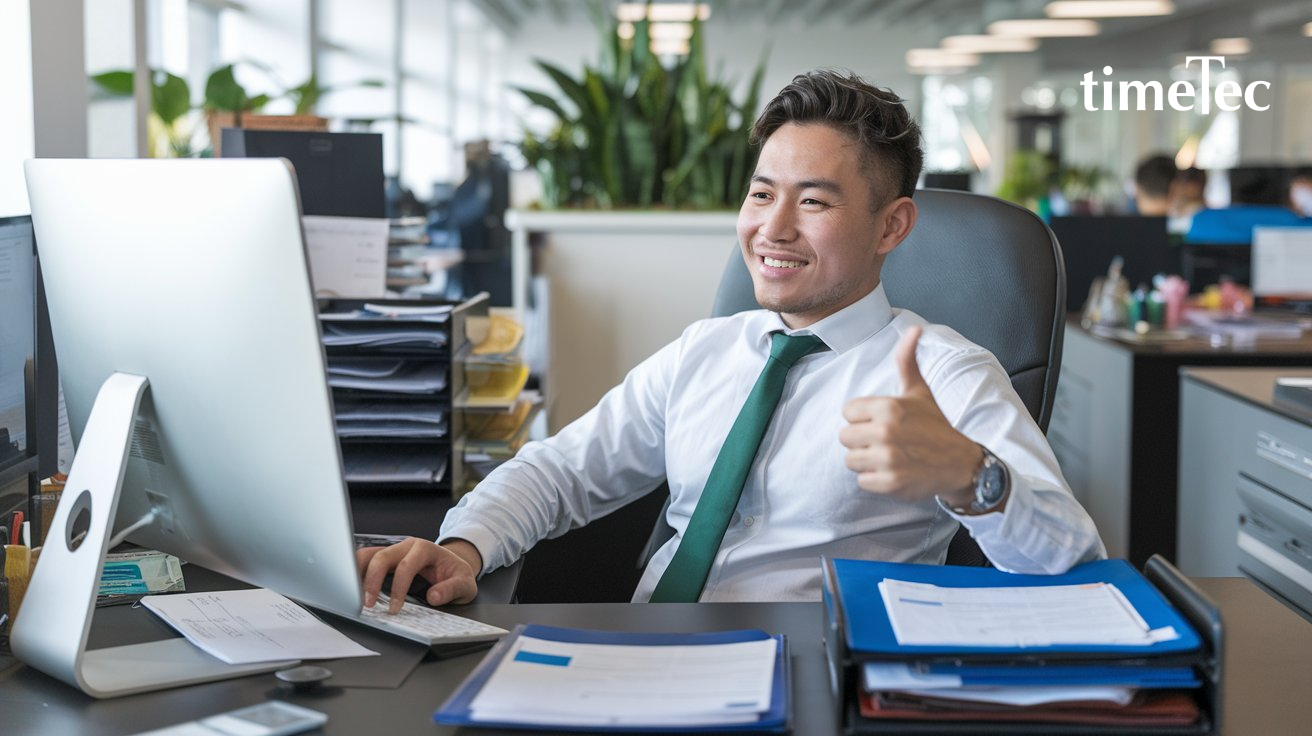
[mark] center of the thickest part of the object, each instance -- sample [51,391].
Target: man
[1186,198]
[1152,185]
[1300,192]
[875,426]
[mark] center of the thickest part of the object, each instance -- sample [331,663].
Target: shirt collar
[844,329]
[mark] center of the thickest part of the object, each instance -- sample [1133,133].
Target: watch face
[991,484]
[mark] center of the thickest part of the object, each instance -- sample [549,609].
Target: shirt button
[748,520]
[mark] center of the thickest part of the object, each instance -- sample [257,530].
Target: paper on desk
[256,625]
[348,255]
[905,678]
[561,683]
[1095,614]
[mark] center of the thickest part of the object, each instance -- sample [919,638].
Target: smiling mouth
[777,263]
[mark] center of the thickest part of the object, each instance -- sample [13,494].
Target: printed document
[1041,616]
[560,683]
[348,255]
[247,626]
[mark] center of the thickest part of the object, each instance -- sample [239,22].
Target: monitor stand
[50,632]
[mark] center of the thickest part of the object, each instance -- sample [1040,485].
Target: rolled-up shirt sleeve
[613,454]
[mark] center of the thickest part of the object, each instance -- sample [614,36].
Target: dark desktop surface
[1268,659]
[1089,243]
[338,174]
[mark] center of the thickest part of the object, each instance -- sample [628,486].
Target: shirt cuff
[482,539]
[1013,529]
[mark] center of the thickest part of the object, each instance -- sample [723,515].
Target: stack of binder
[1167,683]
[393,377]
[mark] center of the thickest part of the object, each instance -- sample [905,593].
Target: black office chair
[987,268]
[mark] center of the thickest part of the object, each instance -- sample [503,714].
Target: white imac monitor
[183,317]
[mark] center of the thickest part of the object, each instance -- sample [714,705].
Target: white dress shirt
[671,414]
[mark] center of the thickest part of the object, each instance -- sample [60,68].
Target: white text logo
[1181,95]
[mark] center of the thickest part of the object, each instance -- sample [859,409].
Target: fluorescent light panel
[1045,28]
[983,44]
[663,12]
[940,59]
[1108,8]
[1231,46]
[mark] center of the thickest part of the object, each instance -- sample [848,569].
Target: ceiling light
[940,59]
[670,46]
[990,44]
[663,12]
[625,30]
[671,31]
[1045,28]
[1307,30]
[1231,46]
[1108,8]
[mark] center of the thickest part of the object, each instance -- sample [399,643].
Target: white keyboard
[427,625]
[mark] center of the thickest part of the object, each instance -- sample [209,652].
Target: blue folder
[456,710]
[868,630]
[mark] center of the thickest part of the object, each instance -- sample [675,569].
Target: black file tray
[450,446]
[845,670]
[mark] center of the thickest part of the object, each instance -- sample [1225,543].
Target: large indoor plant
[632,132]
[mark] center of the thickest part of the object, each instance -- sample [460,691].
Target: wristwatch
[992,482]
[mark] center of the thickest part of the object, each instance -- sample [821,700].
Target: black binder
[1179,597]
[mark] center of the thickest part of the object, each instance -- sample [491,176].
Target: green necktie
[684,579]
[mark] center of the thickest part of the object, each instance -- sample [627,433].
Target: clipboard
[857,631]
[456,710]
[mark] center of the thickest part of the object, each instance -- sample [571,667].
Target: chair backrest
[984,267]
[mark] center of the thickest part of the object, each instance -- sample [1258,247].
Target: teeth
[773,263]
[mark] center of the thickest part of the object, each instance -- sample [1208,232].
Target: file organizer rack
[449,446]
[845,669]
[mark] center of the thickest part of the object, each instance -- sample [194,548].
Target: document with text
[1096,614]
[247,626]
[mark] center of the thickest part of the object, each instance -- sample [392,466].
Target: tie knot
[789,349]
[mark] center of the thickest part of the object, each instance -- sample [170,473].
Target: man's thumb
[908,368]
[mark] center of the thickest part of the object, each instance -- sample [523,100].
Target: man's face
[808,229]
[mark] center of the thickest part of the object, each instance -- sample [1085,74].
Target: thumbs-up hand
[903,446]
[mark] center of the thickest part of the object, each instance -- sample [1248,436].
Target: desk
[1224,415]
[1115,428]
[1269,660]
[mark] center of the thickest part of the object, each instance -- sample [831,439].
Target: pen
[18,525]
[27,534]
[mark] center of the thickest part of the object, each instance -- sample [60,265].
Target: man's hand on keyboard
[451,570]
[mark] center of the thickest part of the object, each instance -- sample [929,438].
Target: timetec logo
[1181,95]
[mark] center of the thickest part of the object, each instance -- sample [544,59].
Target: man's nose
[779,224]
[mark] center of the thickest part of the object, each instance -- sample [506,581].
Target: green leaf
[117,82]
[170,96]
[222,92]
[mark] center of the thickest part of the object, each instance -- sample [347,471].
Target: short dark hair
[873,116]
[1192,175]
[1154,175]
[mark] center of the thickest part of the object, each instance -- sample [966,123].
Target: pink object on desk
[1174,290]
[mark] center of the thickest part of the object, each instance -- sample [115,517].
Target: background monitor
[1282,267]
[1089,243]
[339,174]
[29,381]
[193,274]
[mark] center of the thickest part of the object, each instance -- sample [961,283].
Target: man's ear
[896,218]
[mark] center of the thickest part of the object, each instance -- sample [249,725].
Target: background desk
[1268,662]
[1223,411]
[1115,428]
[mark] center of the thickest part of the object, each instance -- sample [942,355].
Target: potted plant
[227,103]
[632,132]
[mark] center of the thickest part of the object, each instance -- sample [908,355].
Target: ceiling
[1273,25]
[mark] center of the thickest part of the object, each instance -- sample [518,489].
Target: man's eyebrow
[827,185]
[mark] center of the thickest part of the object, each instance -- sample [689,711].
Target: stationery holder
[845,667]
